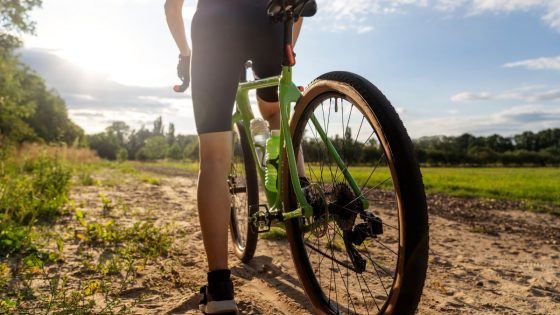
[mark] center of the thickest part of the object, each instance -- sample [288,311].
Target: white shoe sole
[219,307]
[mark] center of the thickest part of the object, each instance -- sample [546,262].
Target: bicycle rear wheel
[243,186]
[353,259]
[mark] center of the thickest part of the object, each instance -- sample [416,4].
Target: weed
[106,204]
[34,190]
[86,179]
[143,239]
[275,233]
[70,155]
[151,180]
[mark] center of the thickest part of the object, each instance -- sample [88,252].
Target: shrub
[30,191]
[122,155]
[175,152]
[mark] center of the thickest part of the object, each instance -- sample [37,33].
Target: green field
[540,185]
[533,185]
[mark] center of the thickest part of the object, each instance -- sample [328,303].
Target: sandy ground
[485,257]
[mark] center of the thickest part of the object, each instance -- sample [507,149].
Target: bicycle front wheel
[354,257]
[244,190]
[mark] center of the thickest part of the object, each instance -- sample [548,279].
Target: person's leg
[213,197]
[215,76]
[215,150]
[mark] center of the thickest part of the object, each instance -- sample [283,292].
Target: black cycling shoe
[217,296]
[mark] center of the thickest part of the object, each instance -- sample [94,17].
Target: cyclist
[225,34]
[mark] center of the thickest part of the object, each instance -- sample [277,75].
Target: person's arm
[174,15]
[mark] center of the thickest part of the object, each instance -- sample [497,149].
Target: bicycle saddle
[277,9]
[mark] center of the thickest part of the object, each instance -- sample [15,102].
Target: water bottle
[260,133]
[272,154]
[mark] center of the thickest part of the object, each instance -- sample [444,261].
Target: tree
[499,144]
[136,141]
[158,127]
[525,141]
[28,110]
[175,152]
[154,149]
[15,106]
[171,134]
[191,151]
[105,144]
[50,120]
[121,130]
[14,18]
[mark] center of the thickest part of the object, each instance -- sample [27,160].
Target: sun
[108,38]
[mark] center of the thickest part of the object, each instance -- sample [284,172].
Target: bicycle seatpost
[289,58]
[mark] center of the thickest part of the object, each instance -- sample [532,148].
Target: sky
[448,66]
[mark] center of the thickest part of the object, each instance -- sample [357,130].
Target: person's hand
[184,73]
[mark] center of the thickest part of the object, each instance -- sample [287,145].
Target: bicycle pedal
[261,220]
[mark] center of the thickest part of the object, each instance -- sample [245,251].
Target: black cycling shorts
[225,34]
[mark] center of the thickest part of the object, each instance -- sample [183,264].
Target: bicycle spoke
[372,171]
[362,291]
[371,294]
[377,186]
[377,271]
[336,231]
[359,130]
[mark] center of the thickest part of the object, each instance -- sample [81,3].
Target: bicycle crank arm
[298,213]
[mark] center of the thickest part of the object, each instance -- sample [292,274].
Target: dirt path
[482,260]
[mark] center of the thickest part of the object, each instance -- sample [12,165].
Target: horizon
[449,68]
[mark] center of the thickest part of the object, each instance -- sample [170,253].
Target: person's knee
[214,161]
[215,150]
[269,110]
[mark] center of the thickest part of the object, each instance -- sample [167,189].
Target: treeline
[528,148]
[119,142]
[29,111]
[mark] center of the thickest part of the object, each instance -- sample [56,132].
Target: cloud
[449,5]
[94,101]
[82,89]
[531,114]
[544,63]
[506,122]
[551,8]
[527,94]
[343,15]
[467,96]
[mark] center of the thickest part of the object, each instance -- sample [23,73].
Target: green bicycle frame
[288,94]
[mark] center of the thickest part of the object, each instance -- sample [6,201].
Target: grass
[34,197]
[276,233]
[535,186]
[532,185]
[191,167]
[538,186]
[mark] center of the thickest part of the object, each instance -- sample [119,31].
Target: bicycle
[357,223]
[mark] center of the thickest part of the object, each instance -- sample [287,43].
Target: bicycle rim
[244,193]
[341,273]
